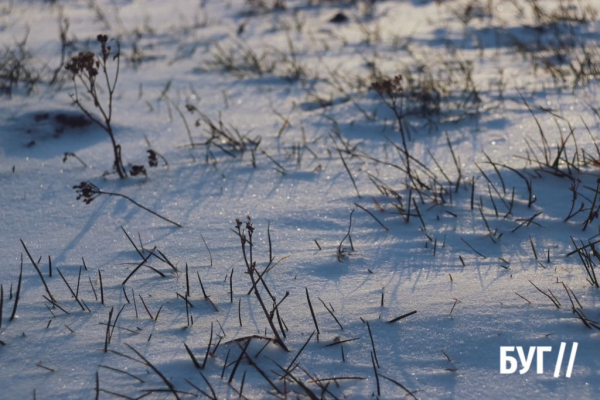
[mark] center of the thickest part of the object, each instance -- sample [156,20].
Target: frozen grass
[370,198]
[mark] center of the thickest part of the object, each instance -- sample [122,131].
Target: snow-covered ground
[497,98]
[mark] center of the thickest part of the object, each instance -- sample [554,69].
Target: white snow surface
[463,311]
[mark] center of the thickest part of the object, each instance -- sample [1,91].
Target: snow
[467,311]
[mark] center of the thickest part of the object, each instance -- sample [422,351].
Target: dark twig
[38,271]
[14,312]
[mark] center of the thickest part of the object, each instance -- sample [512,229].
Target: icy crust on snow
[467,311]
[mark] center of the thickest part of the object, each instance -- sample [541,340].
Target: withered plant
[87,68]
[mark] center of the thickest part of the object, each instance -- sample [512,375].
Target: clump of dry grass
[17,69]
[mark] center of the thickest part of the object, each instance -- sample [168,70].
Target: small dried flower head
[389,86]
[249,226]
[137,170]
[152,158]
[87,191]
[105,51]
[83,62]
